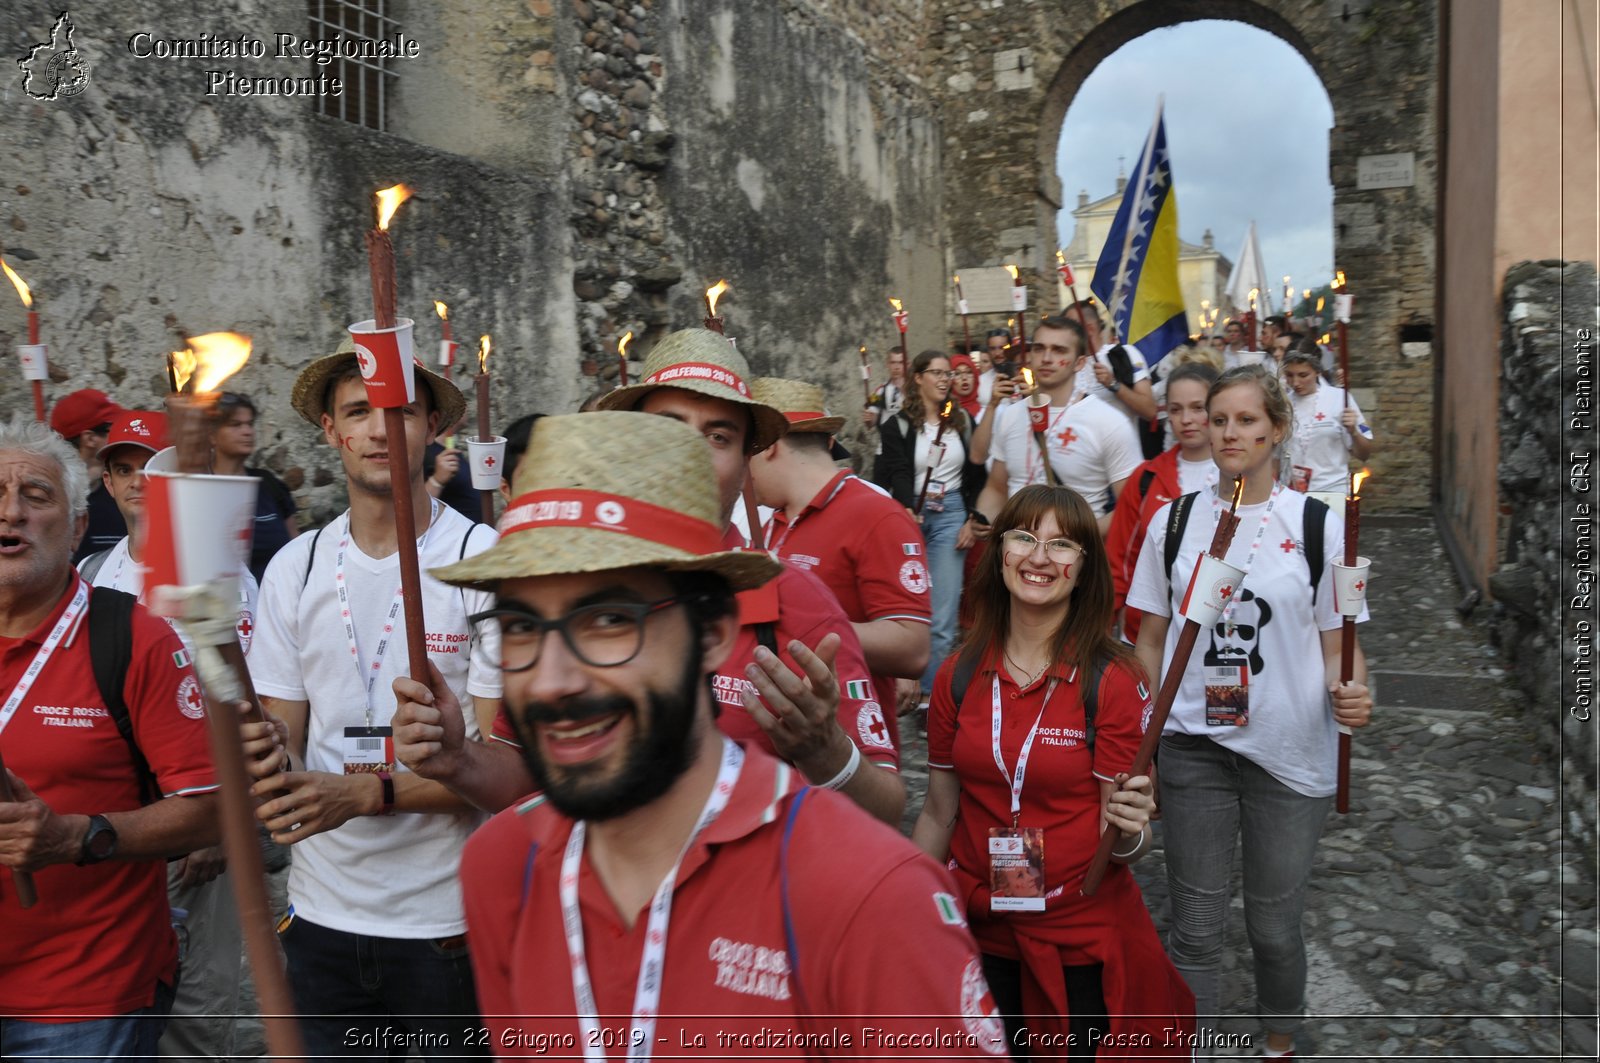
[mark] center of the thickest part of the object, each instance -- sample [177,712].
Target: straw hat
[602,491]
[699,360]
[309,396]
[800,403]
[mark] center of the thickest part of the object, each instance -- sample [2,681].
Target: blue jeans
[122,1037]
[1209,797]
[372,997]
[939,531]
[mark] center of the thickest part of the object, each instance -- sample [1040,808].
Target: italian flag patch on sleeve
[859,689]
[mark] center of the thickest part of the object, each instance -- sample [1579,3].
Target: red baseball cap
[76,413]
[137,428]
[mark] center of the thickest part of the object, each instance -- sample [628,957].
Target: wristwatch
[100,843]
[1115,386]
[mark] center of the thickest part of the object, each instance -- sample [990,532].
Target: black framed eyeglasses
[1021,544]
[602,635]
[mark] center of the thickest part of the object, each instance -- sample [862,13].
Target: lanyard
[80,600]
[789,526]
[369,676]
[1255,544]
[1027,745]
[647,994]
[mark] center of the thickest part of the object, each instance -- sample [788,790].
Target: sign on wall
[1386,171]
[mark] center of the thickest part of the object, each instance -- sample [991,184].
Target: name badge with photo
[1301,480]
[368,750]
[1016,869]
[935,498]
[1228,694]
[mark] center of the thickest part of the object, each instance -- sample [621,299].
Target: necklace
[1030,678]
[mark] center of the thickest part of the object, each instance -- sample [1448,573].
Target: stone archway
[1003,111]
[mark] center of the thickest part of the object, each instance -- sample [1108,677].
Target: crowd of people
[674,827]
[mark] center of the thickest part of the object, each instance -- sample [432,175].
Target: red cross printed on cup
[489,462]
[1225,590]
[1361,585]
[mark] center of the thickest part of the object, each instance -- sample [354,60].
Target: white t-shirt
[121,572]
[946,480]
[1196,475]
[1088,384]
[387,876]
[1320,442]
[1091,447]
[985,388]
[1290,732]
[1232,359]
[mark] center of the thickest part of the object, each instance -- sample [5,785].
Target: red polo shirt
[857,894]
[868,552]
[100,936]
[1061,788]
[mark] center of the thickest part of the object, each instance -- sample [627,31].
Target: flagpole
[1133,215]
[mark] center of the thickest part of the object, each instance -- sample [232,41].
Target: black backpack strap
[311,557]
[961,678]
[1316,517]
[790,938]
[1091,701]
[1177,521]
[111,652]
[767,635]
[1146,478]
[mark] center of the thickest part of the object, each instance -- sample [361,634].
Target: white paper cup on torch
[447,353]
[1038,411]
[386,359]
[963,308]
[35,361]
[1342,305]
[1210,589]
[1019,297]
[488,460]
[1350,586]
[198,531]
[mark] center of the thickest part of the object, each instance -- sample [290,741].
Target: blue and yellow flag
[1137,275]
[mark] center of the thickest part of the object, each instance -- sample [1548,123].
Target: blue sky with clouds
[1234,95]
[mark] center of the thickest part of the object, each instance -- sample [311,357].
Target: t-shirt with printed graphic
[1089,384]
[100,936]
[879,938]
[1276,629]
[386,876]
[1060,788]
[1091,447]
[1320,442]
[120,572]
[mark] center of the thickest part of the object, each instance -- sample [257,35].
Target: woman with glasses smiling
[1032,728]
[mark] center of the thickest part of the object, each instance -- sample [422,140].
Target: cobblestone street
[1445,906]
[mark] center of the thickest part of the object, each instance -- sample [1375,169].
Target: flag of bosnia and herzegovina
[1138,278]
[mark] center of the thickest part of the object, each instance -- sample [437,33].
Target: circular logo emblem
[914,576]
[1144,717]
[66,74]
[978,1011]
[610,512]
[367,363]
[872,727]
[190,701]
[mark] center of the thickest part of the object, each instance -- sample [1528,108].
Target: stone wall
[1545,306]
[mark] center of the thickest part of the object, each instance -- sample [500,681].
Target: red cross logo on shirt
[196,700]
[488,462]
[1321,416]
[1067,437]
[245,626]
[1287,546]
[879,731]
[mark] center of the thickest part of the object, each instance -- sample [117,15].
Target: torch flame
[949,405]
[483,353]
[1238,493]
[1061,258]
[1286,278]
[1338,279]
[210,360]
[894,303]
[1305,293]
[1319,303]
[1253,293]
[715,292]
[1013,271]
[1027,377]
[958,280]
[622,344]
[1359,479]
[389,200]
[22,285]
[442,310]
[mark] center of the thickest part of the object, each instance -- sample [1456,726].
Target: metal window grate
[367,82]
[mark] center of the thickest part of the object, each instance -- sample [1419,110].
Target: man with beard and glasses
[793,627]
[375,936]
[707,900]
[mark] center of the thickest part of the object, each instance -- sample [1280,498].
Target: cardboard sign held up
[988,289]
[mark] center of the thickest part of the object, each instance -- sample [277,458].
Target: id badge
[368,750]
[1016,869]
[934,502]
[1301,480]
[1228,694]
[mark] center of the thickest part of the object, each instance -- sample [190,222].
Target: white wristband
[846,773]
[1138,845]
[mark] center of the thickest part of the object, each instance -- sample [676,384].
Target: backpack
[111,651]
[1316,511]
[966,666]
